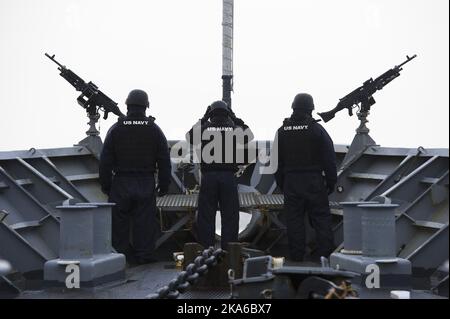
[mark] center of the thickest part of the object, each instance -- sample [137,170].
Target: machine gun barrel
[408,58]
[52,57]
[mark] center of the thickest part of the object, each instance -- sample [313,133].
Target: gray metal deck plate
[141,281]
[206,294]
[147,279]
[179,201]
[274,200]
[246,200]
[386,294]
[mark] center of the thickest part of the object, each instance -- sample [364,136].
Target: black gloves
[106,190]
[330,189]
[162,191]
[237,121]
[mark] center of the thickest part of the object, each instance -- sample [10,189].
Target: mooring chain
[189,277]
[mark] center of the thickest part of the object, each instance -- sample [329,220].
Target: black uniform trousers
[218,190]
[135,208]
[306,192]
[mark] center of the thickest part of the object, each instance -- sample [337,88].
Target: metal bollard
[102,227]
[76,235]
[352,227]
[378,230]
[85,246]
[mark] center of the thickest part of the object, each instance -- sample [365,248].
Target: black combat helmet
[303,101]
[219,107]
[138,98]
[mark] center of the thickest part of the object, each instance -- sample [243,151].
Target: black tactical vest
[135,144]
[217,132]
[299,144]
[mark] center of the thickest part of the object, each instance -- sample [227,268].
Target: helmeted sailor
[135,149]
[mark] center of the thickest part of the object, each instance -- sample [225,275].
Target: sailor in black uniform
[218,187]
[135,149]
[307,175]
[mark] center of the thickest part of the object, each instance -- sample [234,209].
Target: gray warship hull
[34,182]
[52,214]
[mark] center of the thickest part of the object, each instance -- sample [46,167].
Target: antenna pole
[227,50]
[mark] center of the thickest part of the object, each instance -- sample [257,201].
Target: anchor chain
[189,277]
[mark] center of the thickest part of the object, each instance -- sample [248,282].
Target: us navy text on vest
[135,122]
[295,127]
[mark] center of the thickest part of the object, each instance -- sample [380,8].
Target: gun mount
[362,98]
[92,100]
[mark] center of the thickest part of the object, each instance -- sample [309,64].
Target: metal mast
[227,50]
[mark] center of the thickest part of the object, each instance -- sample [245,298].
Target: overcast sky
[172,49]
